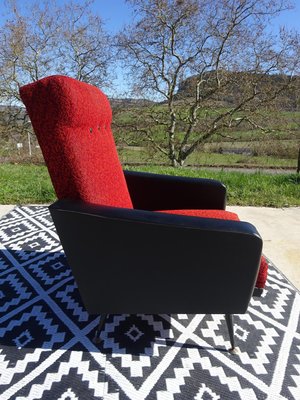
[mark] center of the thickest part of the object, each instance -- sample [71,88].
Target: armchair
[137,242]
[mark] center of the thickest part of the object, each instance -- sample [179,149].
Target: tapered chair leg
[229,321]
[100,326]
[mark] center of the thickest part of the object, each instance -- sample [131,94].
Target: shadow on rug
[47,351]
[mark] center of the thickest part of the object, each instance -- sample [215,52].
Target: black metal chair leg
[229,321]
[102,320]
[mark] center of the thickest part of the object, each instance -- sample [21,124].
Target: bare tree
[224,47]
[27,46]
[46,37]
[85,50]
[26,53]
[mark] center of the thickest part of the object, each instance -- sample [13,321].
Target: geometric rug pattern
[46,336]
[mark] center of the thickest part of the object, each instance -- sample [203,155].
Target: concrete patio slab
[279,228]
[280,231]
[4,209]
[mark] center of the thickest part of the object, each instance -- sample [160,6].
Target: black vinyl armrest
[164,192]
[135,261]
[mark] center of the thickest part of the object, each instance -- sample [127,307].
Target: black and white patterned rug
[47,351]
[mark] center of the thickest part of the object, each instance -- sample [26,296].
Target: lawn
[131,155]
[25,184]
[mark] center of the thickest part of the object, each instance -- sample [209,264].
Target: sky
[290,18]
[117,13]
[114,13]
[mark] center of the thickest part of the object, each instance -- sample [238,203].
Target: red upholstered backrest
[72,120]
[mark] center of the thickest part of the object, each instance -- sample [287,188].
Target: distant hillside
[128,102]
[237,83]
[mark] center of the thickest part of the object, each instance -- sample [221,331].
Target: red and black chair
[137,242]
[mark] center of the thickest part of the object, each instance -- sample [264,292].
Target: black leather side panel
[164,265]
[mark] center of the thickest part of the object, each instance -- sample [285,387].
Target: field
[24,178]
[277,148]
[131,155]
[23,184]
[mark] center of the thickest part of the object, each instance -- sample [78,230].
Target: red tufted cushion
[72,120]
[221,214]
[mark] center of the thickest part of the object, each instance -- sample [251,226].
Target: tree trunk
[174,162]
[177,162]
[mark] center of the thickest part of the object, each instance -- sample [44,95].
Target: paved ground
[279,228]
[5,209]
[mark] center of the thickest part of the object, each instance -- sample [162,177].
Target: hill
[235,84]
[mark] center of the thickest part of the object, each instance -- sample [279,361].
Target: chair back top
[72,121]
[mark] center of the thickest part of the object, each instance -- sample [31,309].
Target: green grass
[232,160]
[25,184]
[278,147]
[142,155]
[255,189]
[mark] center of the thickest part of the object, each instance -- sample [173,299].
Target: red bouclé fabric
[218,214]
[263,273]
[72,120]
[221,214]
